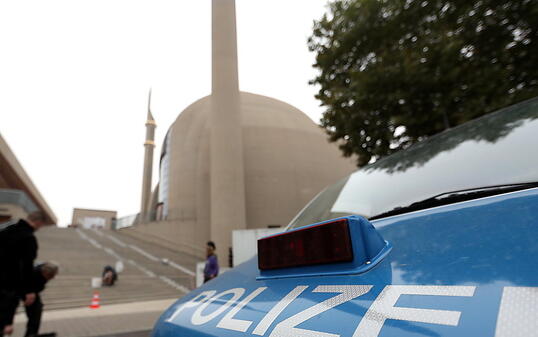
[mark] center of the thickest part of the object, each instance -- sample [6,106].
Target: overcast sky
[74,79]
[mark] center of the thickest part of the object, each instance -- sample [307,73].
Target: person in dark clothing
[8,306]
[41,275]
[110,276]
[211,269]
[18,250]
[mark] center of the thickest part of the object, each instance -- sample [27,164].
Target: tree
[393,72]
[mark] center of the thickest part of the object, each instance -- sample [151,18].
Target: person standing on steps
[211,269]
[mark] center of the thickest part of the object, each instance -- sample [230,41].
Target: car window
[497,149]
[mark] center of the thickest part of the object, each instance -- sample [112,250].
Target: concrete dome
[233,160]
[287,161]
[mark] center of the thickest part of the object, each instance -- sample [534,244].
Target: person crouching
[42,273]
[110,276]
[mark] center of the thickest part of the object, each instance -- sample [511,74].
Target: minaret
[227,172]
[149,145]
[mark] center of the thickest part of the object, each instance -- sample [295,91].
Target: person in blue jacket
[211,269]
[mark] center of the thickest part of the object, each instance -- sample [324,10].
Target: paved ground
[145,288]
[131,334]
[109,319]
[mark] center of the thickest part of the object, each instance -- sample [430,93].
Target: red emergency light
[328,242]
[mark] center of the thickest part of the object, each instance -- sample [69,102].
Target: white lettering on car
[518,315]
[262,327]
[231,323]
[287,328]
[383,308]
[199,319]
[195,301]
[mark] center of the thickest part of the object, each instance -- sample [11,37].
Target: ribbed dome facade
[287,161]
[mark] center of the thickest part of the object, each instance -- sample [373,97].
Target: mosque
[232,160]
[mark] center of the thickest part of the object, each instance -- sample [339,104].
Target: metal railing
[134,219]
[126,221]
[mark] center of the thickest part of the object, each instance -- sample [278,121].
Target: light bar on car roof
[325,243]
[342,246]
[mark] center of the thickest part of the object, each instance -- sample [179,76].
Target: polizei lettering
[222,310]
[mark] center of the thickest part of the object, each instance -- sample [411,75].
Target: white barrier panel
[245,242]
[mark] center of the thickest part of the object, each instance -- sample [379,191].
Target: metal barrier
[126,221]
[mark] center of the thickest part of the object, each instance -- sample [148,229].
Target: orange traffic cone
[95,301]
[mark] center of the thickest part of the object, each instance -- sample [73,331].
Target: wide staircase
[150,272]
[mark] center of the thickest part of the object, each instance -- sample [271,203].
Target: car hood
[466,269]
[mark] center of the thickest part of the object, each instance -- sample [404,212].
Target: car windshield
[494,150]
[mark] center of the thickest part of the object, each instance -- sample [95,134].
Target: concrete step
[83,255]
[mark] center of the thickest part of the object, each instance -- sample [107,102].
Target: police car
[438,240]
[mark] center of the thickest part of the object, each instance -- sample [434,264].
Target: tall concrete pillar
[227,171]
[149,145]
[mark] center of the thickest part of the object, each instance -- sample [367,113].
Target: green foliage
[393,72]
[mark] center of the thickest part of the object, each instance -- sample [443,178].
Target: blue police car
[438,240]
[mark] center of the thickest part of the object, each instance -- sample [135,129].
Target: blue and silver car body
[452,230]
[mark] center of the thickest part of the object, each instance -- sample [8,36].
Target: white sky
[74,78]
